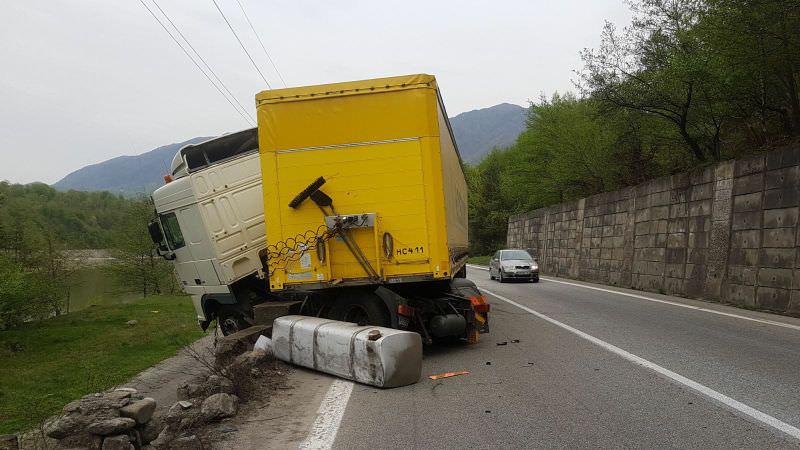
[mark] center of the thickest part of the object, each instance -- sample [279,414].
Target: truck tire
[361,308]
[231,320]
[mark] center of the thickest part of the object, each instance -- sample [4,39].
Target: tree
[660,67]
[137,266]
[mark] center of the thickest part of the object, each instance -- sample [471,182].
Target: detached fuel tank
[378,356]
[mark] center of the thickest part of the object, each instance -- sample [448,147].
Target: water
[94,286]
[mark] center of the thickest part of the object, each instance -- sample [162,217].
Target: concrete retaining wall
[727,233]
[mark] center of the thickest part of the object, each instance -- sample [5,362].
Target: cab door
[184,262]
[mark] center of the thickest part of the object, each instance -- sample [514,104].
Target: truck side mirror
[155,232]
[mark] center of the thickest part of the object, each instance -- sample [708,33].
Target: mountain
[125,174]
[478,132]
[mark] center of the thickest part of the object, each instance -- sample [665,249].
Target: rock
[64,427]
[131,323]
[119,442]
[191,442]
[188,391]
[9,442]
[185,404]
[247,360]
[111,426]
[82,440]
[216,384]
[149,431]
[180,418]
[72,406]
[164,438]
[140,411]
[126,389]
[118,395]
[219,406]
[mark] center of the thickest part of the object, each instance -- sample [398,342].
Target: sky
[83,82]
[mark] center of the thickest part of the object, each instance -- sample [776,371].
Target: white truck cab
[210,223]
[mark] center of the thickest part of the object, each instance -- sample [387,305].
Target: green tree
[137,266]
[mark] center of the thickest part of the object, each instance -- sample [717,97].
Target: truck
[348,200]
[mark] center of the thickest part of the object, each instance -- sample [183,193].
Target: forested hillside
[42,231]
[688,83]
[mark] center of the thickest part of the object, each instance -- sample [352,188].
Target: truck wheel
[231,320]
[362,309]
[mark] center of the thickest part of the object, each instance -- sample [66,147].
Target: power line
[260,42]
[201,59]
[241,44]
[244,116]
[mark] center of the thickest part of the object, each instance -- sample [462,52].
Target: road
[592,368]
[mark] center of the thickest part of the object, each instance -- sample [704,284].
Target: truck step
[265,313]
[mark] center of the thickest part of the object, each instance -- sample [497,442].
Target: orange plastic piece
[448,375]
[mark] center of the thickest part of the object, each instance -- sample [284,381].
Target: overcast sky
[82,82]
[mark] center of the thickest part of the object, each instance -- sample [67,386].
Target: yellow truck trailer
[365,204]
[389,161]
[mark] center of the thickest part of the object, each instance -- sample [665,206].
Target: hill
[478,132]
[125,174]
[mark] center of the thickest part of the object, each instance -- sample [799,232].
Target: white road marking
[667,302]
[702,389]
[329,416]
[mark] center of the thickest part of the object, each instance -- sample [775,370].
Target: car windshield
[507,255]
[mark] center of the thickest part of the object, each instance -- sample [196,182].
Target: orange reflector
[477,299]
[167,178]
[405,310]
[483,308]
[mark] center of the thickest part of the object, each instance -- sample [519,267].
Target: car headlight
[534,267]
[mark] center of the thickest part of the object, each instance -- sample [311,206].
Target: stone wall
[727,233]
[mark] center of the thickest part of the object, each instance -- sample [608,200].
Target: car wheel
[535,280]
[500,276]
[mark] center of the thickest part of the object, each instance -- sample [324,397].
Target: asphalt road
[592,369]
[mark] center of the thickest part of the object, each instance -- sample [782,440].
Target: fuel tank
[382,357]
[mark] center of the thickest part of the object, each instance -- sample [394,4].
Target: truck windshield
[172,231]
[507,255]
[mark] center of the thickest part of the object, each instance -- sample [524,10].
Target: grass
[479,260]
[45,365]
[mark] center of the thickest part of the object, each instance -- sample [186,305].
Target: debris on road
[502,343]
[448,375]
[515,341]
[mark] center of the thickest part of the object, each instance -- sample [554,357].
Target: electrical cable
[188,55]
[203,60]
[260,42]
[241,44]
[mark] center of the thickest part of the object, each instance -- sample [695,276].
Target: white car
[513,264]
